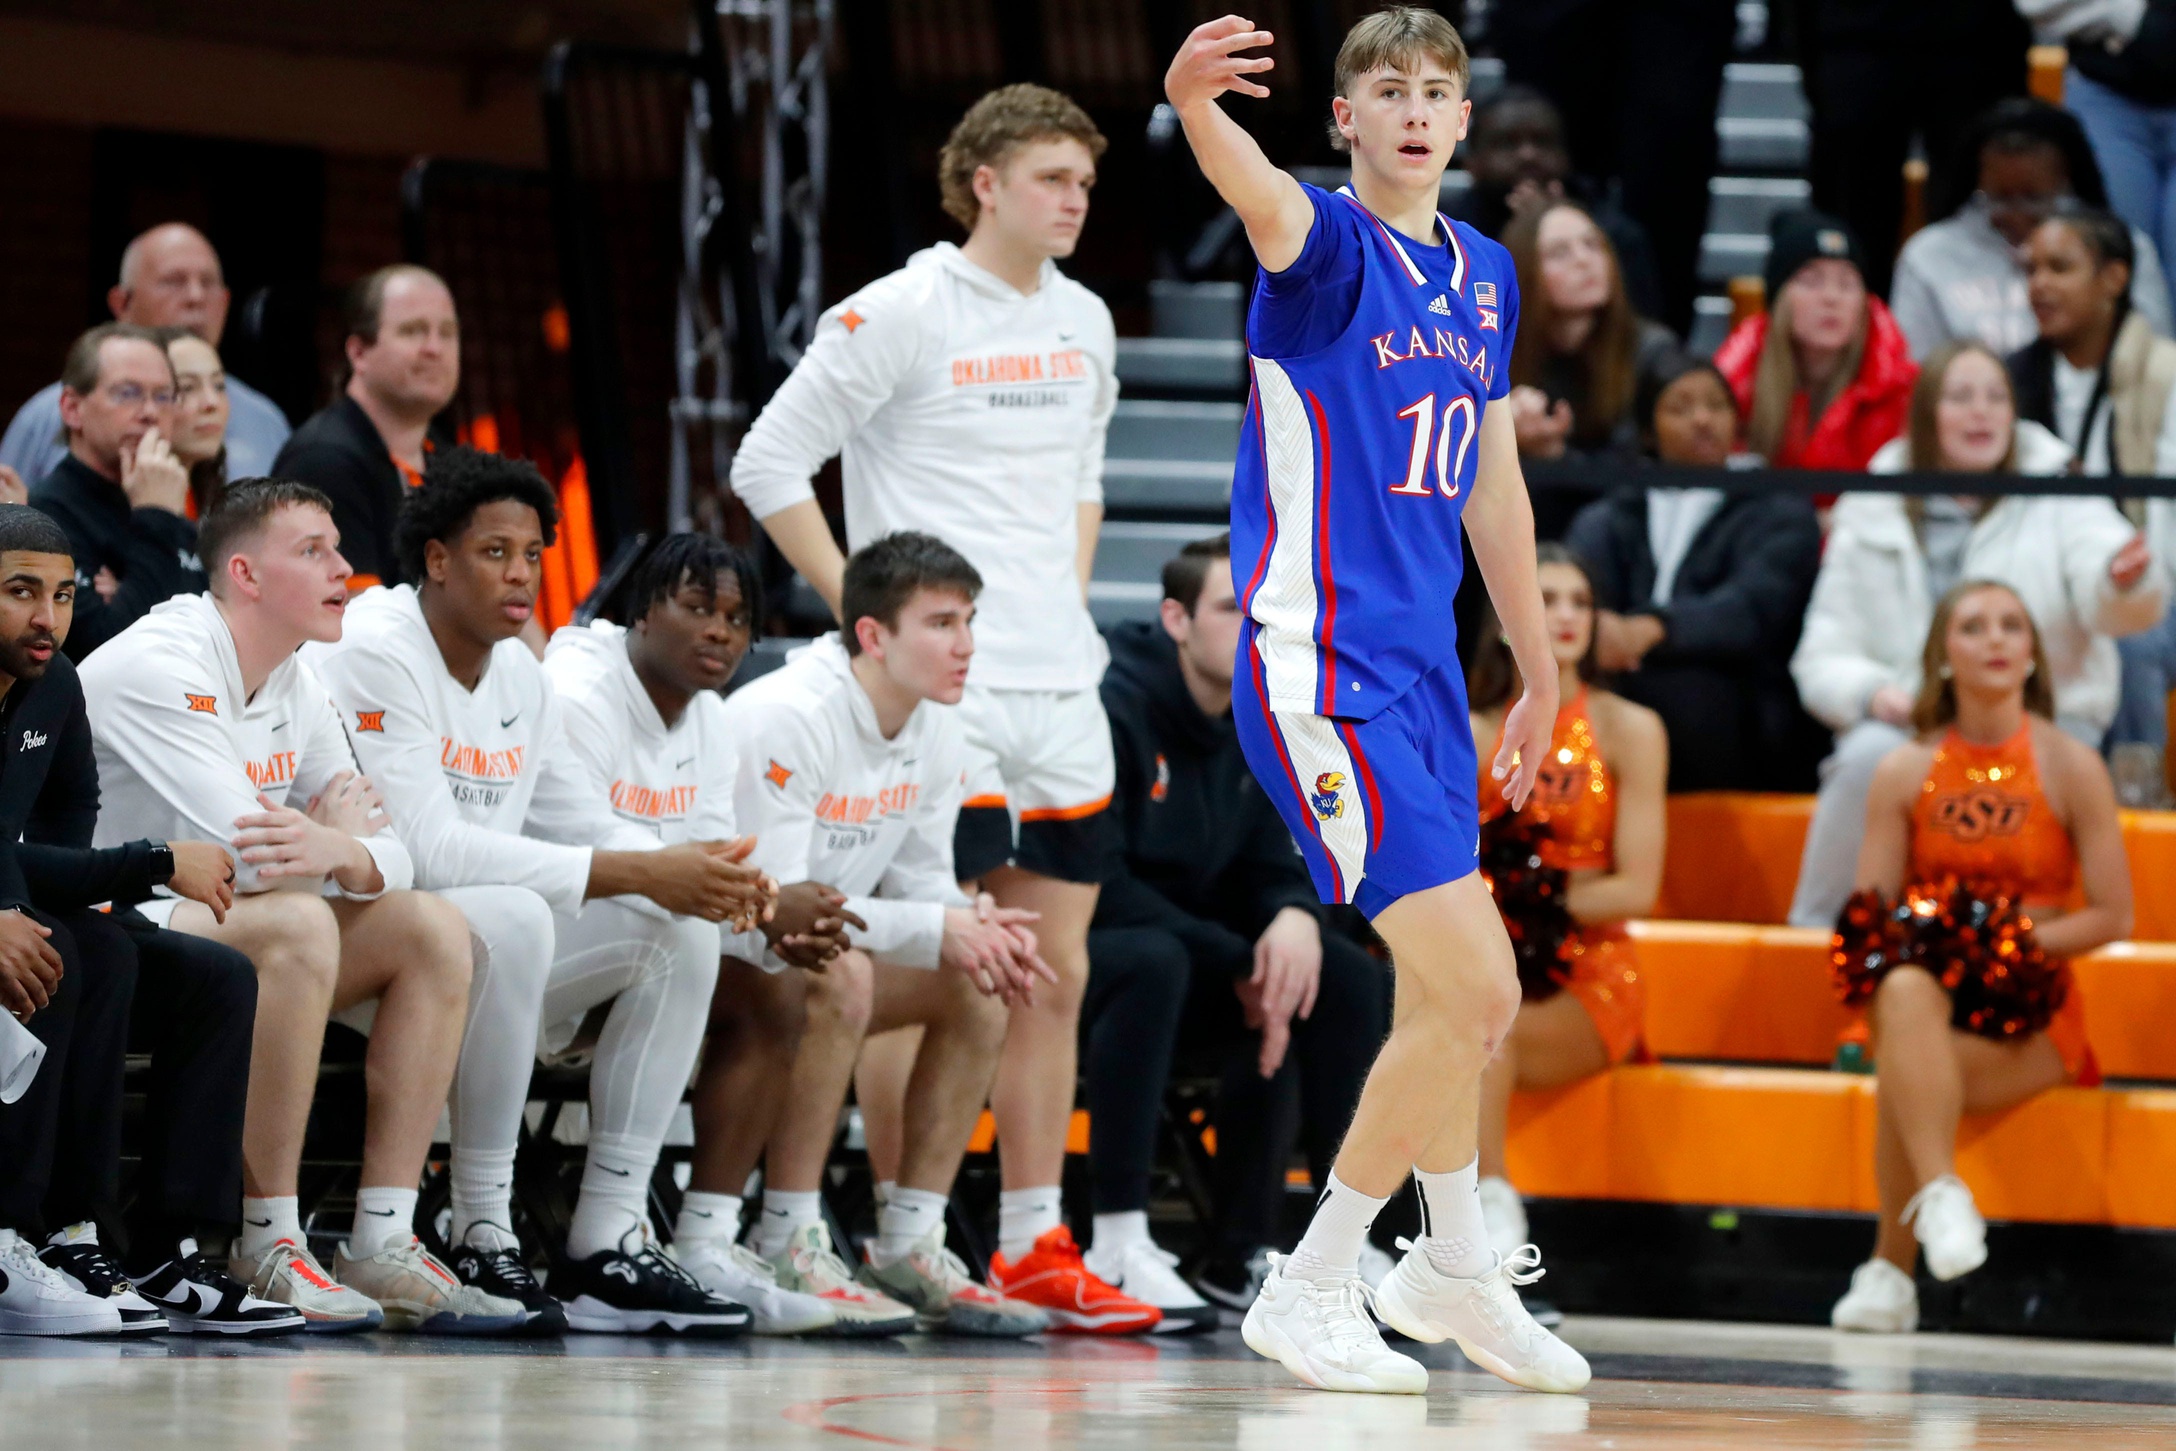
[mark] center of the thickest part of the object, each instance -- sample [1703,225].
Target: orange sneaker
[1052,1278]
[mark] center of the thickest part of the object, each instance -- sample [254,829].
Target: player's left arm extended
[1500,521]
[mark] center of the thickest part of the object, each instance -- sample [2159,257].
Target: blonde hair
[1937,703]
[1400,36]
[1776,381]
[996,126]
[1921,423]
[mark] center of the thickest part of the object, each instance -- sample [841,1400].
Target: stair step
[1164,429]
[1167,486]
[1749,203]
[1763,143]
[1134,552]
[1183,365]
[1197,309]
[1710,325]
[1754,90]
[1724,255]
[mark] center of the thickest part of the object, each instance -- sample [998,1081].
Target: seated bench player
[569,907]
[848,778]
[206,724]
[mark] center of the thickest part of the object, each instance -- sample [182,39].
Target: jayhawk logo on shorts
[1327,797]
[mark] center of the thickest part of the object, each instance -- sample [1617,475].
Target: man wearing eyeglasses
[120,493]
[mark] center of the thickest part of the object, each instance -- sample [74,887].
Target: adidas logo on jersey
[1442,304]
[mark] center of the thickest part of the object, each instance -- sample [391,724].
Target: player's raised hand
[1527,732]
[1206,66]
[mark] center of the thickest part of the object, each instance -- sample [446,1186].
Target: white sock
[1452,1231]
[384,1219]
[1331,1247]
[707,1218]
[615,1194]
[885,1189]
[265,1222]
[1025,1216]
[1114,1232]
[483,1198]
[784,1211]
[905,1220]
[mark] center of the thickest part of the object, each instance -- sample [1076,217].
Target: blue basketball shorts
[1381,808]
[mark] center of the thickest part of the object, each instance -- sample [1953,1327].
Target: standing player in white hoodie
[205,724]
[454,719]
[968,395]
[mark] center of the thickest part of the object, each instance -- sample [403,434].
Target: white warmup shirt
[676,783]
[830,800]
[181,754]
[965,410]
[464,773]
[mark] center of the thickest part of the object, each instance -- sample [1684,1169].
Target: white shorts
[1039,779]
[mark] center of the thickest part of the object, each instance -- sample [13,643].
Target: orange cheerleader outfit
[1983,819]
[1574,801]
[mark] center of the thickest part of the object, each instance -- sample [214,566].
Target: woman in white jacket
[2080,567]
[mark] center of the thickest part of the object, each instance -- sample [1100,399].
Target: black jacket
[49,804]
[2144,70]
[1206,854]
[1721,677]
[151,552]
[339,450]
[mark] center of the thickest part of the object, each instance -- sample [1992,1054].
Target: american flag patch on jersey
[1484,294]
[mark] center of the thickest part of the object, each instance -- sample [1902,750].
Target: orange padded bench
[1780,1138]
[1733,857]
[1739,993]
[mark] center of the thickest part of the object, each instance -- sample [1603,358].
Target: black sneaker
[201,1300]
[644,1293]
[87,1266]
[501,1272]
[1233,1283]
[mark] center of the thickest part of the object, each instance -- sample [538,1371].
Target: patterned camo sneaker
[1139,1269]
[418,1293]
[1053,1279]
[737,1273]
[1948,1226]
[79,1259]
[809,1266]
[1321,1331]
[1484,1316]
[642,1292]
[290,1275]
[35,1299]
[199,1300]
[501,1274]
[1882,1300]
[945,1297]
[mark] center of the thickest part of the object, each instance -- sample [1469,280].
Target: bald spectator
[368,447]
[119,491]
[170,277]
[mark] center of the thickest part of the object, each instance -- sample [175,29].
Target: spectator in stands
[1580,348]
[1699,595]
[2121,85]
[1982,709]
[1518,161]
[1598,807]
[202,411]
[170,277]
[2081,568]
[1209,938]
[119,491]
[1963,276]
[371,444]
[1824,377]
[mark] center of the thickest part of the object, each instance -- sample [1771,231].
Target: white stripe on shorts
[1325,769]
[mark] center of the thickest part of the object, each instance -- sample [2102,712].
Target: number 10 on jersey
[1460,415]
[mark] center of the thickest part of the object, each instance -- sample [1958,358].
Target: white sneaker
[1948,1226]
[1882,1300]
[737,1273]
[1504,1212]
[1375,1264]
[1322,1332]
[1484,1315]
[35,1300]
[1142,1270]
[288,1274]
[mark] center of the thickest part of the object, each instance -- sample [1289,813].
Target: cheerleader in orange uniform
[1594,824]
[1994,817]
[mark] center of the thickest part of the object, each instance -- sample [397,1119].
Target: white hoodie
[831,800]
[965,410]
[464,773]
[181,754]
[1867,623]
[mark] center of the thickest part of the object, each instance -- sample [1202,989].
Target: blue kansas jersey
[1373,357]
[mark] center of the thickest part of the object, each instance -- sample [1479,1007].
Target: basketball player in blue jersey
[1380,335]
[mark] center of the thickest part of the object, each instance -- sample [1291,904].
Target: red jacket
[1869,412]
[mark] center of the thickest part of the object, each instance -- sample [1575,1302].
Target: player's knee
[1908,997]
[294,941]
[841,997]
[978,1020]
[435,937]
